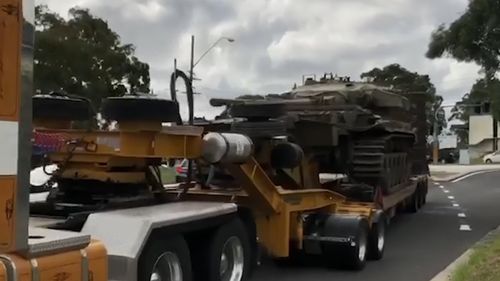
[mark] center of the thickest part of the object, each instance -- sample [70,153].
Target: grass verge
[483,264]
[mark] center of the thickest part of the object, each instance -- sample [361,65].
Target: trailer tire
[351,255]
[61,107]
[227,255]
[376,238]
[172,252]
[425,191]
[414,202]
[140,109]
[421,196]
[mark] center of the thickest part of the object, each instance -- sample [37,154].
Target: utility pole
[191,69]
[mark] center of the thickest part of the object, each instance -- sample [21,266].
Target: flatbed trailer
[130,233]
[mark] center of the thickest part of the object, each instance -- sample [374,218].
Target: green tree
[474,36]
[398,77]
[83,56]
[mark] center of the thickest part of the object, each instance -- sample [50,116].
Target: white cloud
[279,40]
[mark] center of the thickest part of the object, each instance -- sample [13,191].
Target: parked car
[181,170]
[493,157]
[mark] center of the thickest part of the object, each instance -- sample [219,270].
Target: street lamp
[228,39]
[193,63]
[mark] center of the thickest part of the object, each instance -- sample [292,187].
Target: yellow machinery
[109,188]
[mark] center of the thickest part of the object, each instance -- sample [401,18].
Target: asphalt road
[419,245]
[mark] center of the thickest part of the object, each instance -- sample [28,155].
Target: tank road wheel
[165,259]
[226,256]
[376,239]
[349,245]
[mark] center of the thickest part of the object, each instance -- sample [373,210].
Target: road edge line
[459,177]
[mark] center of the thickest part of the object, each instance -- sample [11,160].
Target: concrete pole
[435,150]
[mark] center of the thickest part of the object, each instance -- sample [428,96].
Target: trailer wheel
[414,201]
[425,191]
[376,239]
[351,255]
[421,196]
[227,255]
[165,259]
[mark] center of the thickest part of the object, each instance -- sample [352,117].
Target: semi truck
[108,216]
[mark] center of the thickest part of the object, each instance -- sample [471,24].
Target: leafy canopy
[474,36]
[83,56]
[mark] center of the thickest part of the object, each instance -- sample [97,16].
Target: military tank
[360,129]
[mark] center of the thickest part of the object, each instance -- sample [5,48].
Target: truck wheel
[346,255]
[376,239]
[165,259]
[227,255]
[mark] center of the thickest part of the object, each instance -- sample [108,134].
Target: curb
[452,178]
[446,273]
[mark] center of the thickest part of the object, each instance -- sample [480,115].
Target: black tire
[421,196]
[158,247]
[286,155]
[376,239]
[488,161]
[208,265]
[266,129]
[414,202]
[351,255]
[61,108]
[140,109]
[258,110]
[426,191]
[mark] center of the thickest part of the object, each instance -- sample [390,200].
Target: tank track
[381,161]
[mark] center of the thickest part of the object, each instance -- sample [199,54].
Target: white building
[481,135]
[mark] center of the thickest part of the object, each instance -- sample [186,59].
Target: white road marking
[436,183]
[471,174]
[451,197]
[456,205]
[446,191]
[441,186]
[461,215]
[465,227]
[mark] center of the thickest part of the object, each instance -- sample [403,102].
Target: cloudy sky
[276,41]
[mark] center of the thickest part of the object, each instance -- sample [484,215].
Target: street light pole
[192,60]
[435,151]
[228,39]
